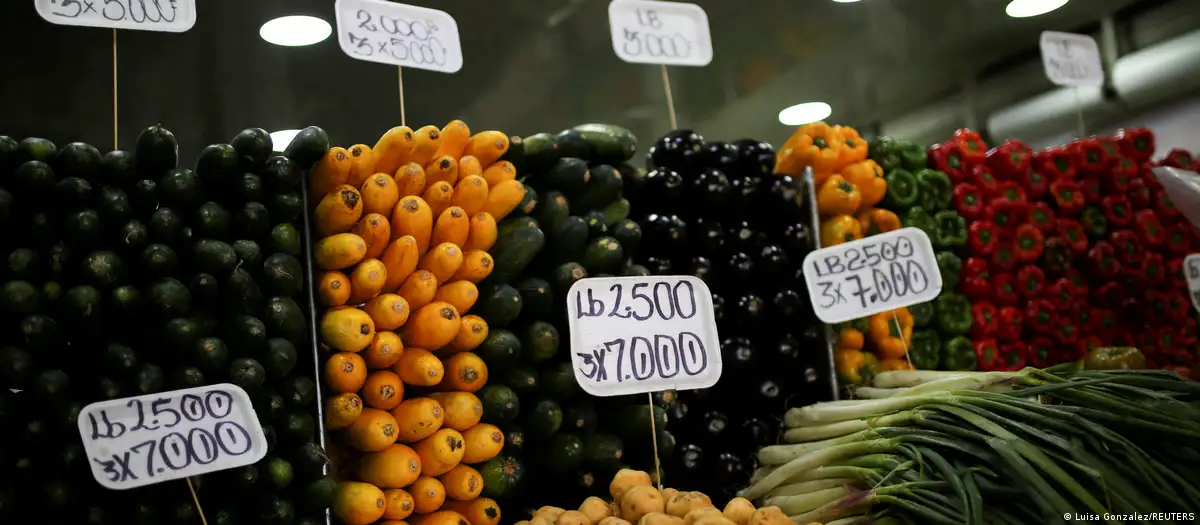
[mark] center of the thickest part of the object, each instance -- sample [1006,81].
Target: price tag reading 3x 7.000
[650,32]
[174,16]
[399,34]
[872,275]
[154,438]
[631,335]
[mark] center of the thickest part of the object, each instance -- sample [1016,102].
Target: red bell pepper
[1103,259]
[1150,178]
[1040,352]
[1093,191]
[1060,294]
[1164,207]
[972,145]
[1128,248]
[1041,315]
[1136,143]
[981,176]
[1179,239]
[1139,193]
[1009,161]
[1065,333]
[1108,295]
[1072,231]
[976,277]
[1086,345]
[1031,280]
[1057,256]
[984,319]
[969,201]
[1131,278]
[1091,156]
[1012,355]
[1068,196]
[1148,229]
[1042,217]
[1187,333]
[1010,323]
[1178,306]
[1121,175]
[1164,339]
[1111,148]
[1081,315]
[1011,191]
[948,158]
[987,354]
[1004,289]
[1055,163]
[1004,257]
[1117,210]
[1153,269]
[1006,214]
[1155,302]
[982,237]
[1179,158]
[1036,186]
[1175,272]
[1079,281]
[1029,243]
[1104,320]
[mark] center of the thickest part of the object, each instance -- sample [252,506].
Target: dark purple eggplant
[811,337]
[755,157]
[709,236]
[677,233]
[718,307]
[701,268]
[741,267]
[773,262]
[797,240]
[785,352]
[769,391]
[690,460]
[756,433]
[746,198]
[659,265]
[744,237]
[712,188]
[784,197]
[677,415]
[789,306]
[721,155]
[739,356]
[750,311]
[680,150]
[665,399]
[728,468]
[714,427]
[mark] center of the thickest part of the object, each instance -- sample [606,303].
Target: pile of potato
[636,501]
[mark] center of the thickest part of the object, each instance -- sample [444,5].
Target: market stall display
[128,274]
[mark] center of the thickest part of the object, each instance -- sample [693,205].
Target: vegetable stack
[128,274]
[717,210]
[406,229]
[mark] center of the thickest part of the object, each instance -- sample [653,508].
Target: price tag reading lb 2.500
[631,335]
[174,16]
[872,275]
[1191,273]
[399,34]
[650,32]
[1071,59]
[154,438]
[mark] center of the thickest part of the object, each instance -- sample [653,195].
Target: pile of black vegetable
[715,210]
[127,274]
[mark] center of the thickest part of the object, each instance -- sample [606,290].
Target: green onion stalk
[990,448]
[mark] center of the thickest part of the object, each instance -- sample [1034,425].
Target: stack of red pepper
[1070,248]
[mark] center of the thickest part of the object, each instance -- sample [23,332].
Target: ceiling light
[845,1]
[295,31]
[280,139]
[805,113]
[1028,8]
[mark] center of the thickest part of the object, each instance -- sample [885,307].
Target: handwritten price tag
[1191,272]
[154,438]
[872,275]
[632,335]
[650,32]
[1071,59]
[174,16]
[399,34]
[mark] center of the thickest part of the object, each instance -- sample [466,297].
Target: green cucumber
[513,252]
[499,305]
[603,451]
[500,403]
[603,255]
[552,209]
[541,419]
[633,422]
[113,204]
[610,143]
[78,159]
[537,299]
[540,341]
[568,238]
[212,221]
[214,257]
[117,168]
[253,147]
[603,187]
[500,349]
[73,191]
[563,453]
[628,233]
[253,221]
[159,260]
[285,319]
[568,175]
[502,476]
[596,225]
[523,379]
[282,173]
[509,225]
[566,275]
[180,189]
[557,380]
[580,418]
[528,203]
[241,294]
[307,147]
[217,164]
[616,211]
[156,151]
[540,153]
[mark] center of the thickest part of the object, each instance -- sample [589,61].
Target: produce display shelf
[314,346]
[810,193]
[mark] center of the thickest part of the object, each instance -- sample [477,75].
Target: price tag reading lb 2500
[632,335]
[174,16]
[872,275]
[650,32]
[399,34]
[154,438]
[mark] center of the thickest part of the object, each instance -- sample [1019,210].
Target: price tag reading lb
[650,32]
[173,16]
[632,335]
[1071,59]
[872,275]
[1191,272]
[399,35]
[154,438]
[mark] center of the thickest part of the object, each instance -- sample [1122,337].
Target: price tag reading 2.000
[872,275]
[642,334]
[399,34]
[154,438]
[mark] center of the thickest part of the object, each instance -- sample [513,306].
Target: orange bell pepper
[887,365]
[836,196]
[839,229]
[854,149]
[850,338]
[855,367]
[867,176]
[877,220]
[891,339]
[816,145]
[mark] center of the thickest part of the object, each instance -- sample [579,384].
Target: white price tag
[872,275]
[1191,272]
[174,16]
[154,438]
[1071,59]
[650,32]
[632,335]
[399,34]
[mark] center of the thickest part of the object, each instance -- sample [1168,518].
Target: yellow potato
[626,478]
[685,502]
[700,513]
[769,516]
[596,509]
[639,501]
[739,510]
[613,520]
[573,517]
[548,512]
[659,518]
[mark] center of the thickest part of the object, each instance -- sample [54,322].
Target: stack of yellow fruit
[403,231]
[636,501]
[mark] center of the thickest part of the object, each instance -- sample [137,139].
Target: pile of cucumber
[128,274]
[573,224]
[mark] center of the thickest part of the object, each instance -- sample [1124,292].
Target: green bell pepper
[926,349]
[935,190]
[922,313]
[918,217]
[959,354]
[950,266]
[912,155]
[885,151]
[953,314]
[902,190]
[951,230]
[1095,224]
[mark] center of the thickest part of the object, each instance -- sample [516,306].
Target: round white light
[1028,8]
[280,139]
[805,113]
[295,30]
[845,1]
